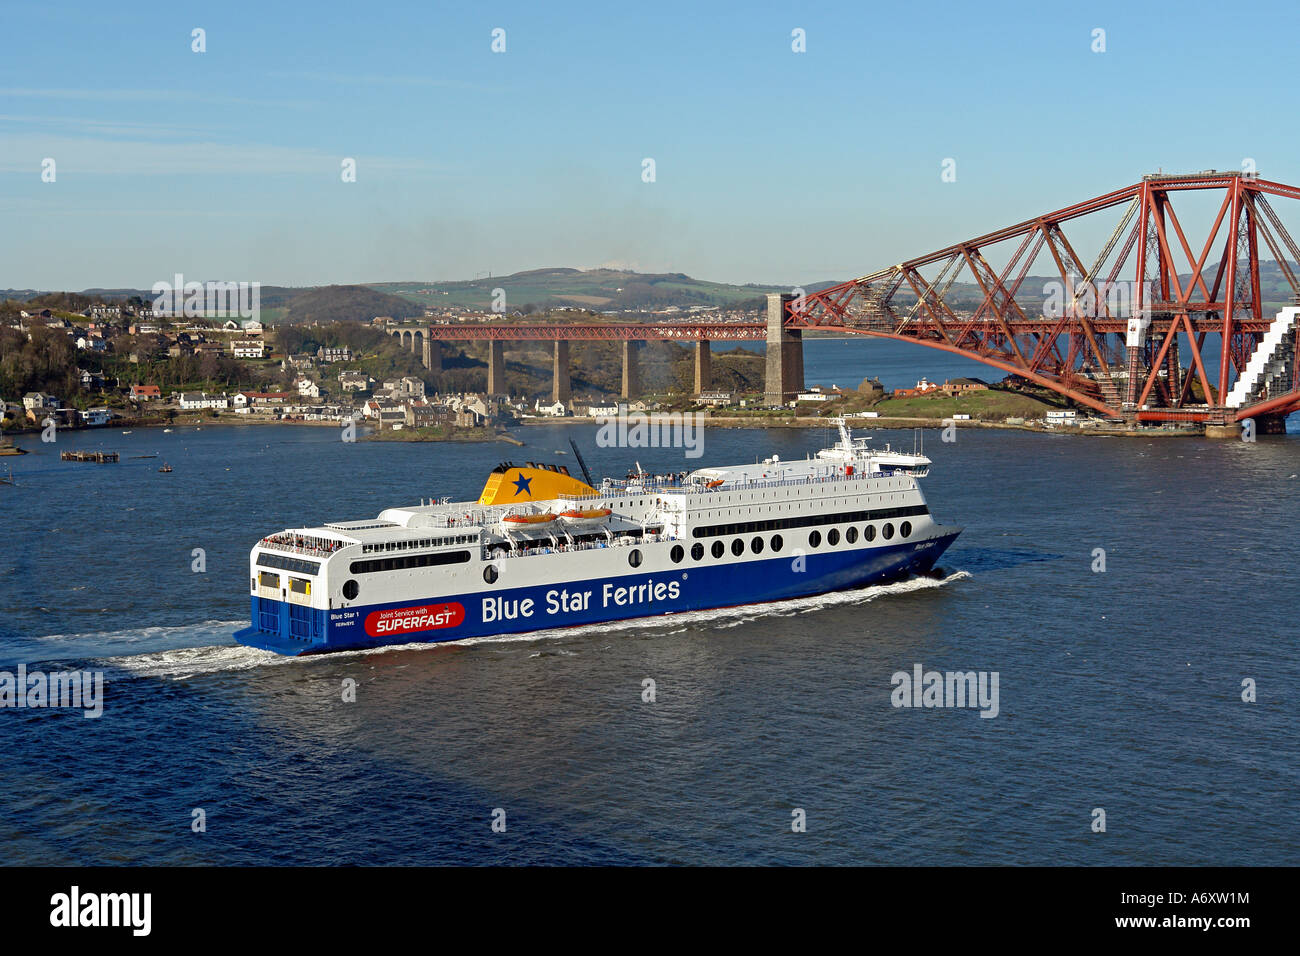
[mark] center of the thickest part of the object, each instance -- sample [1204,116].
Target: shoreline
[895,424]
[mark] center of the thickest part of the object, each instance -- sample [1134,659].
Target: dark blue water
[1119,690]
[847,361]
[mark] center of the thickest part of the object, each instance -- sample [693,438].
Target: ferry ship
[541,548]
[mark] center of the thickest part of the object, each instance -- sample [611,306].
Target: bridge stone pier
[562,384]
[418,342]
[631,369]
[703,366]
[496,376]
[784,375]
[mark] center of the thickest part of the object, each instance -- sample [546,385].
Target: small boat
[166,468]
[584,515]
[8,479]
[167,431]
[127,432]
[528,520]
[715,483]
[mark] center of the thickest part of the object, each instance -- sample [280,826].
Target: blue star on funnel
[521,486]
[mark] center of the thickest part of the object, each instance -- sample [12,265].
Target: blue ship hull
[294,629]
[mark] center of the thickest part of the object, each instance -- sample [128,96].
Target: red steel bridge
[1120,358]
[1114,337]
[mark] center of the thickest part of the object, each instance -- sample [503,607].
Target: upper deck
[638,498]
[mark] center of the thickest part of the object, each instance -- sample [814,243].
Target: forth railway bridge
[1193,342]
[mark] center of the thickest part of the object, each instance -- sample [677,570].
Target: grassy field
[991,405]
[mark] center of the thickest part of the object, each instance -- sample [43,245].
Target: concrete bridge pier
[496,377]
[432,358]
[562,384]
[784,374]
[631,369]
[703,366]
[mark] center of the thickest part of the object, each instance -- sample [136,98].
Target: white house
[716,398]
[307,388]
[248,349]
[555,410]
[355,381]
[95,416]
[197,400]
[39,400]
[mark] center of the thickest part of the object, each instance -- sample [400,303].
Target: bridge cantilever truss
[1116,353]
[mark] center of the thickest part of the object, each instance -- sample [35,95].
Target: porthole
[737,547]
[677,553]
[887,531]
[351,589]
[815,539]
[719,549]
[905,529]
[851,535]
[833,537]
[756,545]
[490,574]
[634,557]
[697,551]
[777,542]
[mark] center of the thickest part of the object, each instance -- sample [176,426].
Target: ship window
[410,561]
[815,539]
[351,589]
[490,574]
[869,532]
[851,535]
[737,547]
[697,551]
[887,531]
[634,557]
[268,580]
[807,521]
[833,537]
[719,549]
[777,542]
[252,582]
[677,554]
[756,545]
[905,529]
[300,586]
[284,563]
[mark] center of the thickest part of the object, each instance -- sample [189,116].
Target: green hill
[344,303]
[595,289]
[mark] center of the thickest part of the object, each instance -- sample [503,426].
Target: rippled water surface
[1118,690]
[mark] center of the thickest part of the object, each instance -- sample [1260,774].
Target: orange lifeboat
[528,521]
[576,515]
[715,482]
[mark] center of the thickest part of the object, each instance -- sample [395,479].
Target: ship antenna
[581,464]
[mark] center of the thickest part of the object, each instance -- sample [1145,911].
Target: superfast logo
[403,620]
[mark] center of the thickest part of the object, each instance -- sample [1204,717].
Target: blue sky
[771,166]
